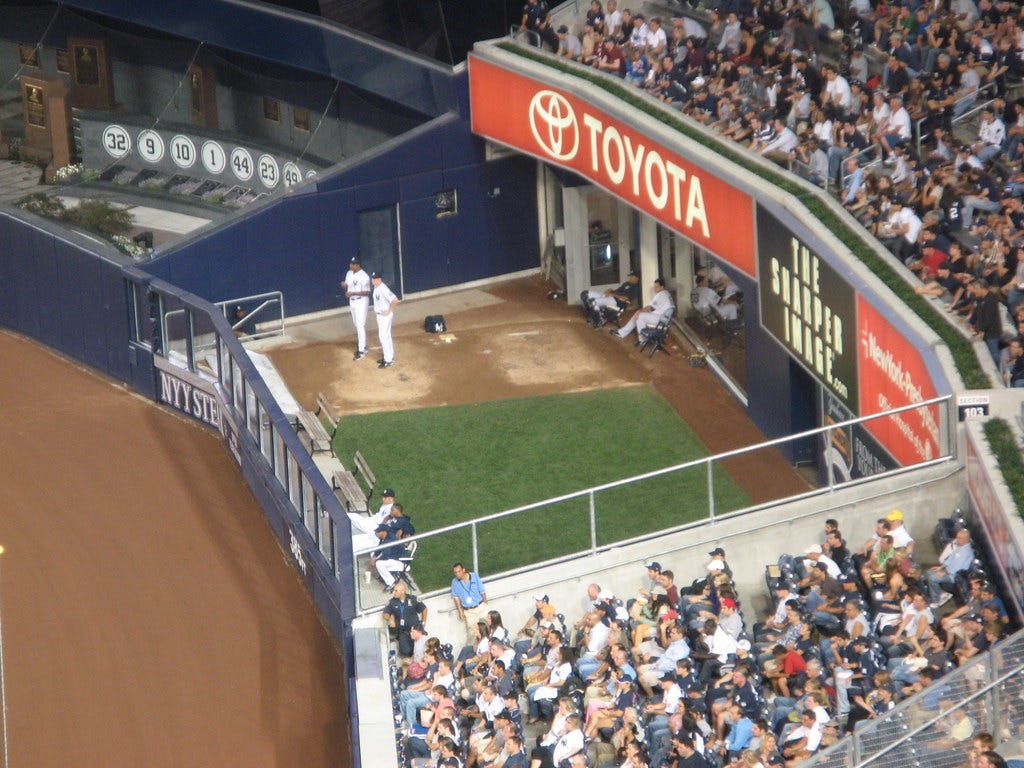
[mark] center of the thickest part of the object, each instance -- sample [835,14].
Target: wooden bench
[325,411]
[363,469]
[349,492]
[319,439]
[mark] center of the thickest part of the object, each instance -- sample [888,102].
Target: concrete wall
[751,541]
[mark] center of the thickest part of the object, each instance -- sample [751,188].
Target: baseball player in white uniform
[357,289]
[650,315]
[384,302]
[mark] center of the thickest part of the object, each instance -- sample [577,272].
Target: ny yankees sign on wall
[563,129]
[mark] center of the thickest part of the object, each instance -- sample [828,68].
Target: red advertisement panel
[564,130]
[892,373]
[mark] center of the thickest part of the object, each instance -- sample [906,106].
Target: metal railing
[916,734]
[987,87]
[251,317]
[596,512]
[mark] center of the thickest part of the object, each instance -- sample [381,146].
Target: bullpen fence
[203,371]
[918,733]
[597,513]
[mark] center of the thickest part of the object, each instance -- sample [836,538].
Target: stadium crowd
[904,110]
[677,675]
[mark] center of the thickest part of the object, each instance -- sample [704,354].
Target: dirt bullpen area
[510,340]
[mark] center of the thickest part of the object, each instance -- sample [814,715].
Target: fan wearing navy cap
[719,554]
[649,584]
[384,303]
[357,289]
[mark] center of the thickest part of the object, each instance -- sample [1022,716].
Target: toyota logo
[554,125]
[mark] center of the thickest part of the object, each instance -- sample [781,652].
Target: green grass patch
[456,463]
[1007,451]
[964,358]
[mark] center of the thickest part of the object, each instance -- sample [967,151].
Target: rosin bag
[434,324]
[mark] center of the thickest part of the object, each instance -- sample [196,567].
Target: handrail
[944,421]
[855,759]
[919,140]
[674,468]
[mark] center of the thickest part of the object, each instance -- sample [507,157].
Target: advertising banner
[893,373]
[850,452]
[186,392]
[562,129]
[808,307]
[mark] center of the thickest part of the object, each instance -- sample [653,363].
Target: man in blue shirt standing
[470,598]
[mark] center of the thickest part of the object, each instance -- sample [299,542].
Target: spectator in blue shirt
[956,557]
[470,598]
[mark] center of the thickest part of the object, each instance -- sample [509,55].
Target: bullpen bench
[319,438]
[325,411]
[349,492]
[347,487]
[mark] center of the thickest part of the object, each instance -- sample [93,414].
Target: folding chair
[655,337]
[406,561]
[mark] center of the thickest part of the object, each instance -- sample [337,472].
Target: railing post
[995,726]
[593,523]
[828,470]
[476,553]
[711,489]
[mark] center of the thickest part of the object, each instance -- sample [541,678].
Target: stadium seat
[655,337]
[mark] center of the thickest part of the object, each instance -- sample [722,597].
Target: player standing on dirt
[357,289]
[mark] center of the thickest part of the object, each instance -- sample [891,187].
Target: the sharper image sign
[808,307]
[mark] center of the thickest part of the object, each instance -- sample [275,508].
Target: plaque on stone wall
[64,61]
[300,117]
[87,68]
[271,109]
[35,107]
[28,54]
[195,89]
[47,116]
[202,92]
[92,81]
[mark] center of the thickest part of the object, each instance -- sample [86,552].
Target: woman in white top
[559,675]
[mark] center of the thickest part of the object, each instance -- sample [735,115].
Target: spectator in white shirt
[837,90]
[732,36]
[896,129]
[657,42]
[780,148]
[901,231]
[991,135]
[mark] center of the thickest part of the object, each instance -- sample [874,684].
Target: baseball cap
[814,549]
[671,614]
[354,260]
[743,645]
[605,594]
[894,515]
[654,565]
[563,29]
[375,275]
[728,602]
[716,565]
[387,491]
[717,552]
[976,617]
[541,597]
